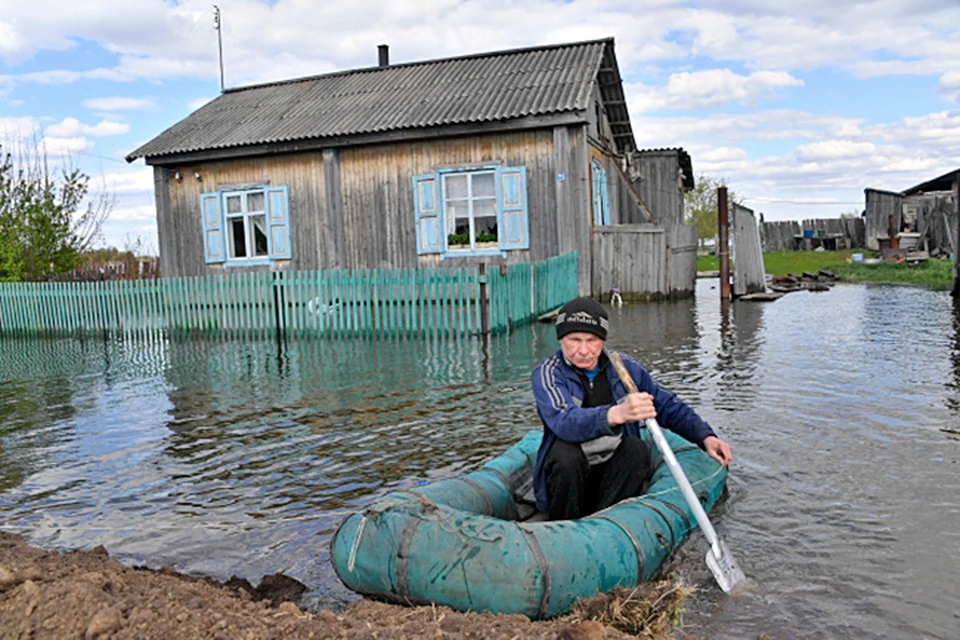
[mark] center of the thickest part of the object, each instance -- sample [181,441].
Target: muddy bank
[85,594]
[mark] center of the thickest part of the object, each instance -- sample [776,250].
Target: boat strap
[633,541]
[488,508]
[403,552]
[531,539]
[682,514]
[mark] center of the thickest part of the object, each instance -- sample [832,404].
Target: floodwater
[220,459]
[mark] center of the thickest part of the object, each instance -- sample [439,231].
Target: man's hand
[717,449]
[635,407]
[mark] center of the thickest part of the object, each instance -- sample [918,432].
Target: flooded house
[502,157]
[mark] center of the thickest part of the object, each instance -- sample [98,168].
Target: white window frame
[471,200]
[249,225]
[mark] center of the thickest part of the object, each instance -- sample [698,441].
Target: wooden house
[510,156]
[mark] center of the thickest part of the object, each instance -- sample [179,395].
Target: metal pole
[216,25]
[723,250]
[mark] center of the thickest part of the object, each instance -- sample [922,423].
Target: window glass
[237,238]
[259,233]
[484,185]
[255,201]
[234,204]
[456,186]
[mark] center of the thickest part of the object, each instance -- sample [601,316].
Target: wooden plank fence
[383,302]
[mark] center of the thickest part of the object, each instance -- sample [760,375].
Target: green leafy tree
[46,221]
[700,206]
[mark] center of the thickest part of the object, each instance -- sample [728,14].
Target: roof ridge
[419,63]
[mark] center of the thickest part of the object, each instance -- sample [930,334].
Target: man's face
[582,349]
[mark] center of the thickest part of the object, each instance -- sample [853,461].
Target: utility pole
[216,25]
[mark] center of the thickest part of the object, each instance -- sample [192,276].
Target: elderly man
[592,455]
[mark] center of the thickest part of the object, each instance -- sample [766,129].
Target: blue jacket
[559,393]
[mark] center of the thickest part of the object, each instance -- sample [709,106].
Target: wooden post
[723,248]
[956,250]
[484,306]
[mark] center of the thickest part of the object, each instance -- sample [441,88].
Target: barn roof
[410,100]
[940,183]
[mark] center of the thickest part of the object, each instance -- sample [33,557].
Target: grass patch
[934,274]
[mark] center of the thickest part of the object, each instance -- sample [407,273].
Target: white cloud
[124,182]
[143,212]
[713,88]
[118,103]
[71,127]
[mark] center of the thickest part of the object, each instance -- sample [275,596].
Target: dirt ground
[85,594]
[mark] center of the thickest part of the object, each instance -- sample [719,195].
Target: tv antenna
[217,25]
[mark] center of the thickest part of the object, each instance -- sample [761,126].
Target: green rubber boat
[470,543]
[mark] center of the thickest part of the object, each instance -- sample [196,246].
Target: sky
[798,105]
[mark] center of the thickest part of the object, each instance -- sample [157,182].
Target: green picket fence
[259,304]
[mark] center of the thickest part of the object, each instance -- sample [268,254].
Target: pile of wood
[807,281]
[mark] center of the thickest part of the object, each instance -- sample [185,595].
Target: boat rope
[531,539]
[633,541]
[403,553]
[356,544]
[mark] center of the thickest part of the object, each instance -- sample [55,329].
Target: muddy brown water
[230,458]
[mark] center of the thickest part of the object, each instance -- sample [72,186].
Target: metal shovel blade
[725,569]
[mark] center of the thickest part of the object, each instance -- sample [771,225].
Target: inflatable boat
[475,543]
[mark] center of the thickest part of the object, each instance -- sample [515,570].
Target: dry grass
[650,610]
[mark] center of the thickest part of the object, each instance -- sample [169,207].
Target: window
[480,211]
[245,227]
[598,188]
[246,217]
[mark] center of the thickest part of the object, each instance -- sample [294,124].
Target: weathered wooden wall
[881,208]
[681,260]
[781,235]
[935,218]
[748,271]
[632,258]
[365,218]
[656,178]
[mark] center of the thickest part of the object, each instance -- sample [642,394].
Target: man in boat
[592,455]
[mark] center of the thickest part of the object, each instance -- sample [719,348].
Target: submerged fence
[357,302]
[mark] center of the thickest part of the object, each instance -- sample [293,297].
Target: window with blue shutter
[601,206]
[514,226]
[246,226]
[471,212]
[278,222]
[212,221]
[427,208]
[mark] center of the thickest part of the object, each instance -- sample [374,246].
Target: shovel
[719,559]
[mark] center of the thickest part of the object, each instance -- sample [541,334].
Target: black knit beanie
[582,314]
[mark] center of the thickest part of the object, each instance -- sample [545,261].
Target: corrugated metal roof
[489,87]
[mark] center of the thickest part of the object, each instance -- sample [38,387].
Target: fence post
[484,306]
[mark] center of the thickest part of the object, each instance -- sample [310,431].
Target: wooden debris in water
[649,610]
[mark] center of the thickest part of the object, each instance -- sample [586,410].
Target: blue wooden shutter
[427,207]
[213,249]
[601,205]
[513,223]
[278,222]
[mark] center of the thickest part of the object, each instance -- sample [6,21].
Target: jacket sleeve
[558,410]
[672,413]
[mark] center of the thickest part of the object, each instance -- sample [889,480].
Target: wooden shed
[510,156]
[925,215]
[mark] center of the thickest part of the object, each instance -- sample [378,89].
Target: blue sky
[799,106]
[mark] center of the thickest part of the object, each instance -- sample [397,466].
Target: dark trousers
[575,489]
